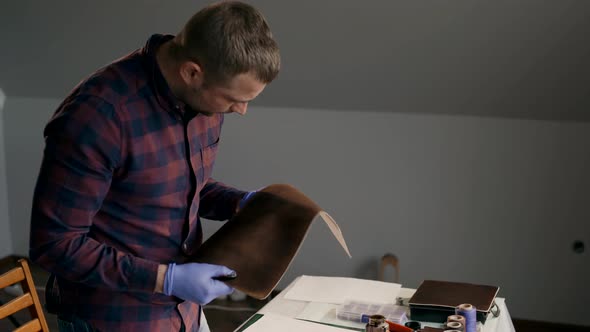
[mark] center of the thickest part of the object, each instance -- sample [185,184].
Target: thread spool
[456,318]
[377,324]
[455,326]
[470,313]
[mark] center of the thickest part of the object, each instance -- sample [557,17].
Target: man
[126,175]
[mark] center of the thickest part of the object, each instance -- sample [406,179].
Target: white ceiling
[523,59]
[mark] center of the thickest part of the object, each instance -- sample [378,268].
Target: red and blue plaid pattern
[126,174]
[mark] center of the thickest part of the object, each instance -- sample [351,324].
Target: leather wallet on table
[435,300]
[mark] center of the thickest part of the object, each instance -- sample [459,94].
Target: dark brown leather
[452,294]
[261,240]
[431,329]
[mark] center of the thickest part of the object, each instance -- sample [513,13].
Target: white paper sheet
[274,323]
[337,290]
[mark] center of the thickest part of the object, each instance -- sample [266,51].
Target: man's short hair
[229,38]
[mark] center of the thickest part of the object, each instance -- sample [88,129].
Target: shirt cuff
[145,273]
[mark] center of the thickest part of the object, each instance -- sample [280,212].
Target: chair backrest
[22,274]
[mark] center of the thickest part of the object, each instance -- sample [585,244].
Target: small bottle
[377,323]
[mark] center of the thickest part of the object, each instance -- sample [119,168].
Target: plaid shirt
[126,174]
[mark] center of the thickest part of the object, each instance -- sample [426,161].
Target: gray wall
[458,198]
[5,234]
[24,120]
[525,58]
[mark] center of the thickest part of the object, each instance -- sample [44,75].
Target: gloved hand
[194,282]
[245,199]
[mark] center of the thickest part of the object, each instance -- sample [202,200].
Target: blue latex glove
[246,198]
[194,282]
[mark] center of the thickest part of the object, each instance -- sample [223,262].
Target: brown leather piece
[452,294]
[431,329]
[261,240]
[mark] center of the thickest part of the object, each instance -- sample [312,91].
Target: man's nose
[240,108]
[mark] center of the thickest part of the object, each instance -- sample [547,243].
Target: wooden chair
[389,259]
[21,274]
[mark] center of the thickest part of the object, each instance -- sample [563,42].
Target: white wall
[5,234]
[455,198]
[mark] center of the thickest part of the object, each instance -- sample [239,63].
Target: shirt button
[184,247]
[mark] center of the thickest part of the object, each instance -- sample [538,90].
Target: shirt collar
[162,90]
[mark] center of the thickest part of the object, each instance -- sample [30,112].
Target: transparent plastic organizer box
[361,311]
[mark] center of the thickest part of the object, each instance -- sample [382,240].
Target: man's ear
[191,73]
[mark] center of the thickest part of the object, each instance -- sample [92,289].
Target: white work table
[291,308]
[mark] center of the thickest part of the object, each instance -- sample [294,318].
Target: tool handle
[394,327]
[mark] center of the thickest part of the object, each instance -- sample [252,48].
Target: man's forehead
[245,86]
